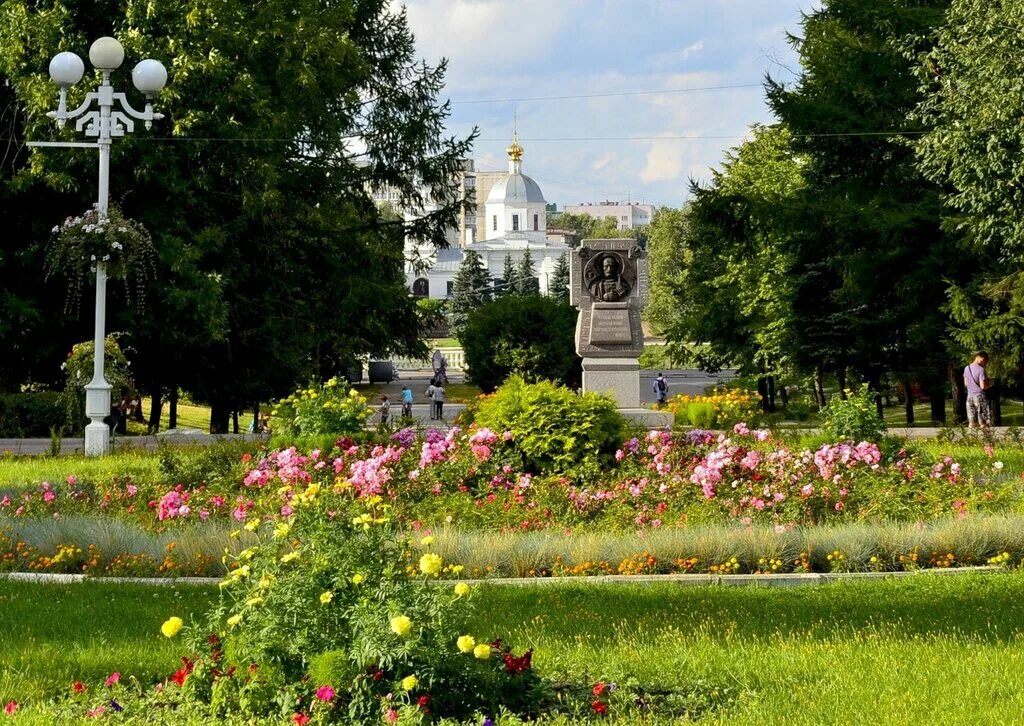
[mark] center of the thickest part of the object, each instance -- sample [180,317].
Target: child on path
[406,402]
[385,411]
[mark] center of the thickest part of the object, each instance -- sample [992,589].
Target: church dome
[516,188]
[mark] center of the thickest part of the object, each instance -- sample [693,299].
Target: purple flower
[488,722]
[116,706]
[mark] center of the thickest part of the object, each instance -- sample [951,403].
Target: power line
[606,95]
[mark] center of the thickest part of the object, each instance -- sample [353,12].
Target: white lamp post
[112,117]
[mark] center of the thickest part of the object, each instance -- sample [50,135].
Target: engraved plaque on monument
[609,283]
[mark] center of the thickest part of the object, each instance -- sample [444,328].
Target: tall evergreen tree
[871,259]
[526,276]
[508,275]
[560,280]
[471,289]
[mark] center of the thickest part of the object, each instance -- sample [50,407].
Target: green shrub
[331,408]
[854,418]
[32,415]
[527,335]
[554,429]
[700,414]
[193,466]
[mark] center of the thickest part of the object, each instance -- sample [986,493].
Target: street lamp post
[112,117]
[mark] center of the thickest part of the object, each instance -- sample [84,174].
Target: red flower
[182,673]
[423,700]
[77,686]
[11,708]
[301,719]
[599,689]
[518,665]
[599,707]
[378,675]
[246,457]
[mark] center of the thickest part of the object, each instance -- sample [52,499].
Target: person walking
[439,401]
[406,402]
[431,389]
[978,413]
[661,389]
[385,411]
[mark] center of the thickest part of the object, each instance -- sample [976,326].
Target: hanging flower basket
[122,244]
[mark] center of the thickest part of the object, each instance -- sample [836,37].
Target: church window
[536,222]
[494,223]
[515,222]
[421,288]
[451,288]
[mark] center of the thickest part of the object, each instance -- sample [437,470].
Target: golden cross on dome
[515,151]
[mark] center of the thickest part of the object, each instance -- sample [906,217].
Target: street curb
[683,580]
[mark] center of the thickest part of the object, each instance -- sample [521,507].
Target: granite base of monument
[618,378]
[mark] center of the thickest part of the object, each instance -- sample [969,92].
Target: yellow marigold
[430,564]
[254,601]
[401,625]
[358,578]
[410,682]
[427,541]
[461,589]
[282,530]
[482,651]
[171,626]
[234,620]
[291,556]
[326,597]
[466,643]
[252,525]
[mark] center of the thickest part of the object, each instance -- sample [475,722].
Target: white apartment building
[627,215]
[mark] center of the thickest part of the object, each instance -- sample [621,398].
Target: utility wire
[605,95]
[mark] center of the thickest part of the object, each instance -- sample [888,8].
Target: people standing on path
[431,389]
[385,411]
[661,389]
[406,402]
[978,413]
[438,401]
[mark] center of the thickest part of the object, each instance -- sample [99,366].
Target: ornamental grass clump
[333,614]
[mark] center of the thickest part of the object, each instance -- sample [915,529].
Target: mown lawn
[921,650]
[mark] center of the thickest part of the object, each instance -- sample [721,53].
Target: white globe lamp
[106,54]
[149,76]
[66,69]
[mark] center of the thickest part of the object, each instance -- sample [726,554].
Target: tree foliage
[528,335]
[274,262]
[559,289]
[471,289]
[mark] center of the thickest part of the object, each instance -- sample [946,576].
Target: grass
[16,473]
[921,650]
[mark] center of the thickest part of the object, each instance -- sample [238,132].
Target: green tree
[526,276]
[508,277]
[975,112]
[869,257]
[528,335]
[560,280]
[666,250]
[471,289]
[729,303]
[275,263]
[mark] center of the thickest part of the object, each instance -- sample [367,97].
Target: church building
[514,223]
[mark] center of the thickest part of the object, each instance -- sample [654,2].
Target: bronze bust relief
[607,278]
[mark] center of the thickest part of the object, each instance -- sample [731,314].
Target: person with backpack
[438,401]
[661,389]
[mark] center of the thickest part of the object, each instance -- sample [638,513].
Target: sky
[575,147]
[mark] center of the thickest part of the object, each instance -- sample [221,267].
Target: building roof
[448,260]
[516,189]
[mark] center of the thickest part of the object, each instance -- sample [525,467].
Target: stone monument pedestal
[618,378]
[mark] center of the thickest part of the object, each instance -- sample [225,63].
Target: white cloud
[678,56]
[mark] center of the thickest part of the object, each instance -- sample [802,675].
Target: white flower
[92,258]
[99,230]
[997,465]
[106,257]
[55,229]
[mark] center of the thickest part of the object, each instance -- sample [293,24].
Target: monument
[609,283]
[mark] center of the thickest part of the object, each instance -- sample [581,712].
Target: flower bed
[476,480]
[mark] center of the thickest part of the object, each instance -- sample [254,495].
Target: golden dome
[515,151]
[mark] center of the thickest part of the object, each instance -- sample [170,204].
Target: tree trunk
[841,377]
[937,396]
[784,395]
[762,391]
[875,384]
[156,408]
[256,418]
[908,401]
[172,408]
[234,421]
[959,389]
[995,402]
[771,394]
[819,388]
[220,414]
